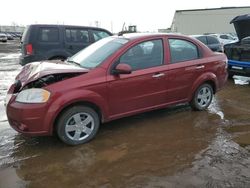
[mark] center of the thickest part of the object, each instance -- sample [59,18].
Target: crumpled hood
[242,25]
[36,70]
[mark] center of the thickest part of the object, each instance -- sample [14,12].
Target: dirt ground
[172,147]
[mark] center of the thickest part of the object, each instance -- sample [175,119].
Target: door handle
[157,75]
[200,67]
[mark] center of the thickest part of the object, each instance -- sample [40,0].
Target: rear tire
[203,97]
[77,125]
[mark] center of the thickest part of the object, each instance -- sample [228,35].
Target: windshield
[96,53]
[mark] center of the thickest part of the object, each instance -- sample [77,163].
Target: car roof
[72,26]
[132,36]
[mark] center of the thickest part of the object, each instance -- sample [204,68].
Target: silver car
[3,37]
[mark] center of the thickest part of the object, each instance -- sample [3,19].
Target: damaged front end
[49,79]
[238,53]
[36,76]
[17,88]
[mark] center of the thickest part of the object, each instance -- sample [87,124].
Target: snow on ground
[241,80]
[9,68]
[10,56]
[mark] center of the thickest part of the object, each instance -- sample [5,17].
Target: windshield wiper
[71,61]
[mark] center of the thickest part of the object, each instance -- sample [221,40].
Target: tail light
[29,49]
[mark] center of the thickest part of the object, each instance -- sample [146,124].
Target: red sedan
[115,77]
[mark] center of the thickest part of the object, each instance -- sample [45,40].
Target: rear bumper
[238,68]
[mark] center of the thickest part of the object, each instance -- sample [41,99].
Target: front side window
[77,35]
[182,50]
[98,34]
[48,35]
[144,55]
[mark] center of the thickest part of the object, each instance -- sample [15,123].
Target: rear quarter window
[48,35]
[98,34]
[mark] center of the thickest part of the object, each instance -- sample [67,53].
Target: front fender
[206,77]
[62,100]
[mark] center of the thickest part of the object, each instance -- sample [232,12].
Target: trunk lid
[242,26]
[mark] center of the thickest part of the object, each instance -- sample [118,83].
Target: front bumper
[28,119]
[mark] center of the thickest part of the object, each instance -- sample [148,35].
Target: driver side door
[145,87]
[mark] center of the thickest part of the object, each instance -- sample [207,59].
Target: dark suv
[42,42]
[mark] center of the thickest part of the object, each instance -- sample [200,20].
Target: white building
[200,21]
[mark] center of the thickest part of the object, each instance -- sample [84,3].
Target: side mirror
[122,68]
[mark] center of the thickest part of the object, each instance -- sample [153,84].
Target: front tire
[203,97]
[77,125]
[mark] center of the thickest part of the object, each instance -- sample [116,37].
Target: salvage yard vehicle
[3,37]
[212,42]
[9,36]
[238,53]
[224,38]
[115,77]
[47,42]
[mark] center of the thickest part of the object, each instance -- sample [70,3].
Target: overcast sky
[148,15]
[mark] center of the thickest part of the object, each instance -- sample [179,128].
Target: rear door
[76,39]
[183,69]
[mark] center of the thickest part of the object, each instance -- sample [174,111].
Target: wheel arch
[208,78]
[91,105]
[212,84]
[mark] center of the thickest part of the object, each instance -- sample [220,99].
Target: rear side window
[99,34]
[212,40]
[77,35]
[48,35]
[182,50]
